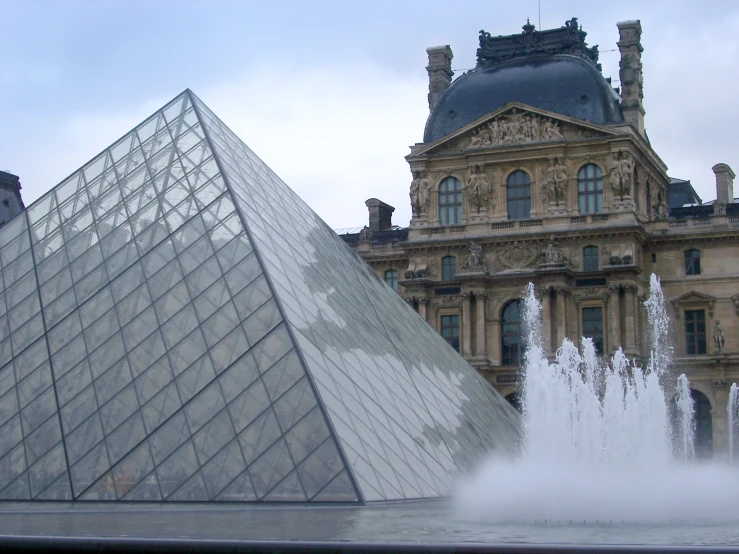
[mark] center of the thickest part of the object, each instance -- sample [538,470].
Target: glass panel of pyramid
[177,325]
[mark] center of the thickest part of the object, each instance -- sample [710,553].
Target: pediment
[693,297]
[514,125]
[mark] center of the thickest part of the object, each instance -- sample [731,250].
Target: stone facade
[586,254]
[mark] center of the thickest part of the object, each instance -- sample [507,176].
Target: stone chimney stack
[380,215]
[440,72]
[630,73]
[11,203]
[724,183]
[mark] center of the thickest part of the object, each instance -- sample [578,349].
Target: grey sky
[329,94]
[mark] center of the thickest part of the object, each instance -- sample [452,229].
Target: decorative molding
[693,297]
[569,39]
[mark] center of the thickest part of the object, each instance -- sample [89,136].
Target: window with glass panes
[448,268]
[450,330]
[450,201]
[518,191]
[695,332]
[692,262]
[590,189]
[592,326]
[391,278]
[511,344]
[590,258]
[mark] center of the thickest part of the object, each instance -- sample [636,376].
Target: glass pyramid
[176,324]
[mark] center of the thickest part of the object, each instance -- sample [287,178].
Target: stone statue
[478,189]
[553,255]
[660,211]
[475,257]
[365,235]
[555,182]
[626,168]
[718,336]
[621,174]
[424,193]
[415,184]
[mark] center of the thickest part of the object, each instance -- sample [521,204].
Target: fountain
[733,414]
[601,441]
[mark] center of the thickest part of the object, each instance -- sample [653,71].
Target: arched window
[518,190]
[590,258]
[515,400]
[511,342]
[692,262]
[590,189]
[703,425]
[448,268]
[391,278]
[450,201]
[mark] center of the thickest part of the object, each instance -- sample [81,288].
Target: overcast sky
[329,94]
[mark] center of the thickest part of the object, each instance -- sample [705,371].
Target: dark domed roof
[562,83]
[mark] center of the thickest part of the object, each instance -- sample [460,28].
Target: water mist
[599,442]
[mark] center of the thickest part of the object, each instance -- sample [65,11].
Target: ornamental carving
[515,128]
[420,193]
[552,256]
[621,174]
[475,260]
[478,190]
[569,39]
[554,185]
[516,256]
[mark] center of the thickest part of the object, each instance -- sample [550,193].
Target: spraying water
[600,444]
[733,409]
[685,440]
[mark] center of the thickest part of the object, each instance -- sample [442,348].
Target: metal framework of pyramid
[176,324]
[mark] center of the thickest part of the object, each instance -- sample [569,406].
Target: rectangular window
[695,332]
[590,258]
[450,330]
[448,268]
[391,278]
[692,262]
[592,326]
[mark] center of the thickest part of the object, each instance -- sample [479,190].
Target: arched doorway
[515,400]
[703,425]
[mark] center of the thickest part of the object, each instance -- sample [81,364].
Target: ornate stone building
[534,168]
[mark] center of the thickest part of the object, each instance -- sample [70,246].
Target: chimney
[11,203]
[630,73]
[724,183]
[440,72]
[380,215]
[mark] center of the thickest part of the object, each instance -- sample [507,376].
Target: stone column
[422,305]
[480,331]
[546,323]
[629,320]
[466,325]
[494,350]
[561,314]
[614,318]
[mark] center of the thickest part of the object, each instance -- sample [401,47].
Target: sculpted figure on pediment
[515,128]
